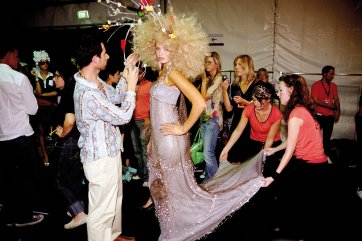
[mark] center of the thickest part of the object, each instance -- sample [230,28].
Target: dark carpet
[250,223]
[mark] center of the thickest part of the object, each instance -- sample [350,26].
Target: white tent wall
[246,26]
[287,36]
[283,36]
[311,34]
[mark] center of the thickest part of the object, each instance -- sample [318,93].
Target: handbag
[197,154]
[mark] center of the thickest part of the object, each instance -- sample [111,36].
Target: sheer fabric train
[187,210]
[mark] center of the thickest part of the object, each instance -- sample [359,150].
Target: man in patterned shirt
[97,118]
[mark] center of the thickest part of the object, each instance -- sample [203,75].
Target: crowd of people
[93,106]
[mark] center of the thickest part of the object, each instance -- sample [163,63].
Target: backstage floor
[143,225]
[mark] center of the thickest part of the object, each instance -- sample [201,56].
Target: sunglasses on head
[43,62]
[58,75]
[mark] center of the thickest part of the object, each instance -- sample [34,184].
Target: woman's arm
[204,86]
[234,136]
[68,125]
[38,89]
[244,102]
[272,133]
[194,96]
[53,93]
[294,125]
[271,150]
[225,95]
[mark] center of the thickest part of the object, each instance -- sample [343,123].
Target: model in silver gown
[185,209]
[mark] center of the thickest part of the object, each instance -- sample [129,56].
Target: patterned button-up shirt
[215,103]
[98,117]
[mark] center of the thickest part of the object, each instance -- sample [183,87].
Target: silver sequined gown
[187,210]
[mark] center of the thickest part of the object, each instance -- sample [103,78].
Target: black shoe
[148,208]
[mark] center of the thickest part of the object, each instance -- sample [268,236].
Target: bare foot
[79,219]
[148,203]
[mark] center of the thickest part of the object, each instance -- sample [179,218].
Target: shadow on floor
[245,224]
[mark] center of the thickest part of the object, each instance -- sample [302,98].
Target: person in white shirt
[17,143]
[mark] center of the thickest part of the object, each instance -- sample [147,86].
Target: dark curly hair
[89,45]
[264,91]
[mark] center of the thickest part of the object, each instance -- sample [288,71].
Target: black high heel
[148,208]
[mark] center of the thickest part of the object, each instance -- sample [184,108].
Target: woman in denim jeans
[212,117]
[70,174]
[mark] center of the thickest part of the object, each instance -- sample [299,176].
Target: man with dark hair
[17,102]
[97,118]
[326,104]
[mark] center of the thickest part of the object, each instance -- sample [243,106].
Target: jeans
[17,178]
[69,173]
[210,131]
[139,143]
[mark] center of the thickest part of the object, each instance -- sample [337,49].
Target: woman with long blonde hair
[212,118]
[240,97]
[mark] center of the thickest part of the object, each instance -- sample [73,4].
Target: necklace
[164,74]
[263,115]
[81,75]
[99,84]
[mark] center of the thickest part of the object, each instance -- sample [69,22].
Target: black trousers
[17,178]
[306,200]
[326,123]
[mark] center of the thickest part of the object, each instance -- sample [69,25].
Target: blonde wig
[247,64]
[188,45]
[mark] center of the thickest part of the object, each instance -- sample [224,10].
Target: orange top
[142,110]
[309,144]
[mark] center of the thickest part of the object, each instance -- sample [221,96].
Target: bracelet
[275,175]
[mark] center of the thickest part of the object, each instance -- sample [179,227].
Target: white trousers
[104,198]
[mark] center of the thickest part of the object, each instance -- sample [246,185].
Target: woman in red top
[305,198]
[264,119]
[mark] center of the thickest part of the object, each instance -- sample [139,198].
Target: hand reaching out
[130,72]
[132,59]
[223,155]
[238,100]
[130,63]
[32,72]
[269,151]
[59,131]
[267,181]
